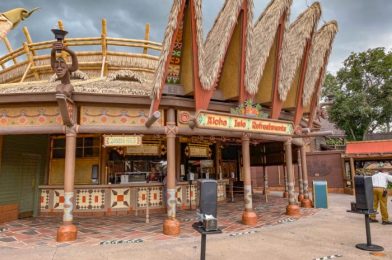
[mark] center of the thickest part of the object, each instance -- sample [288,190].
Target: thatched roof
[293,48]
[261,38]
[211,52]
[97,86]
[319,54]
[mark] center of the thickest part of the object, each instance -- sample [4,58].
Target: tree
[362,92]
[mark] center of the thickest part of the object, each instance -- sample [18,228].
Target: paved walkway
[41,232]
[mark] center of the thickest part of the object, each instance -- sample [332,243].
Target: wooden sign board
[145,149]
[222,121]
[122,140]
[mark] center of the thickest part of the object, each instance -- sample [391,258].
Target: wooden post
[352,170]
[306,202]
[9,48]
[249,217]
[146,37]
[104,48]
[67,231]
[29,53]
[300,178]
[285,192]
[292,209]
[171,226]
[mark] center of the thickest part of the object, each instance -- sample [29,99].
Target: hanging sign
[145,149]
[122,140]
[221,121]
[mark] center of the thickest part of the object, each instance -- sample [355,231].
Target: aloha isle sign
[221,121]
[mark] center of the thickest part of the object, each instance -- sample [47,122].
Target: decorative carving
[171,129]
[62,70]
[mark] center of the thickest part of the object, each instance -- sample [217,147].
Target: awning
[369,147]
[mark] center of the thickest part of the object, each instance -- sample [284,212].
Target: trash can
[320,194]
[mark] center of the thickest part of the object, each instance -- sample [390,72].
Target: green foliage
[362,92]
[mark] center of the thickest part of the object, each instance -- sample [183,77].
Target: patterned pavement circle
[41,231]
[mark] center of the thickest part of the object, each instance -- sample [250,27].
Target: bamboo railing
[26,62]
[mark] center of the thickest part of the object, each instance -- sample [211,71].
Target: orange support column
[171,226]
[249,216]
[68,231]
[292,209]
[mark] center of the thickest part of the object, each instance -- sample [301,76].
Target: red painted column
[67,231]
[292,209]
[171,226]
[248,216]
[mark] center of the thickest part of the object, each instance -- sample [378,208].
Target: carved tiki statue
[62,70]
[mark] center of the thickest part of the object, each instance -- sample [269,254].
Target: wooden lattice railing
[25,63]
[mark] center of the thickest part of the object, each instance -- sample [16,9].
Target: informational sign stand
[368,246]
[199,228]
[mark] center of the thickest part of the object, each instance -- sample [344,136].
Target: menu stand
[199,228]
[368,246]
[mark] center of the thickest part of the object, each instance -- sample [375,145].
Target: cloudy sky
[363,24]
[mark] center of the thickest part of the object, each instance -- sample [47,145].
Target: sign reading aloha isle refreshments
[220,121]
[122,140]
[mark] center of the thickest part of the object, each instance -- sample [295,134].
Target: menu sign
[221,121]
[122,140]
[145,149]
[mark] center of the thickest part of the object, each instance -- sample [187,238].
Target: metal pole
[368,235]
[203,247]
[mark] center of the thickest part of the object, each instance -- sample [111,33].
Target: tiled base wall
[109,201]
[8,212]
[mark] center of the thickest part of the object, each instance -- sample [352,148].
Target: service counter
[116,199]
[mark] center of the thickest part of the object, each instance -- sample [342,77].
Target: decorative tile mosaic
[120,198]
[58,200]
[191,193]
[179,195]
[90,199]
[44,200]
[221,191]
[156,196]
[174,69]
[142,197]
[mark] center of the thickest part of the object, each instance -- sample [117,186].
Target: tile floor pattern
[41,232]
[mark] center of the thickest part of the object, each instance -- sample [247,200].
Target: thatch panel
[15,72]
[319,53]
[212,52]
[291,99]
[132,61]
[260,40]
[231,73]
[293,48]
[186,72]
[266,85]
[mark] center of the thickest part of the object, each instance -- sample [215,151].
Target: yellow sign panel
[221,121]
[145,149]
[198,151]
[122,140]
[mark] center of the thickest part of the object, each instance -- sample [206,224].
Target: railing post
[146,37]
[30,54]
[104,48]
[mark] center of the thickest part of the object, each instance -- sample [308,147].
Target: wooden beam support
[299,110]
[243,93]
[146,37]
[276,102]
